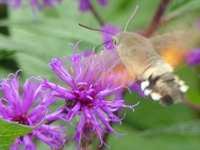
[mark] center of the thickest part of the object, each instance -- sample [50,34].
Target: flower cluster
[28,105]
[90,91]
[85,5]
[34,3]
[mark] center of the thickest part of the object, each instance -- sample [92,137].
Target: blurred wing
[174,45]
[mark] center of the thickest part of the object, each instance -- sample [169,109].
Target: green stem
[96,15]
[155,23]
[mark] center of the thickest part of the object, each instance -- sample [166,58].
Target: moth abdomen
[167,100]
[165,88]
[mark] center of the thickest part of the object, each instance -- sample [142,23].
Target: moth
[142,59]
[143,63]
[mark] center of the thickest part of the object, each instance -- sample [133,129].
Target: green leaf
[191,128]
[178,3]
[150,114]
[130,139]
[118,12]
[191,76]
[33,66]
[185,7]
[9,132]
[3,72]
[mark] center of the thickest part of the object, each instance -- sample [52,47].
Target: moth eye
[115,41]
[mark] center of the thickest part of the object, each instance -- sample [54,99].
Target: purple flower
[13,3]
[136,87]
[44,3]
[193,57]
[85,5]
[90,90]
[34,3]
[27,105]
[108,32]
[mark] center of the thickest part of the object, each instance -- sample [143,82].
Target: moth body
[144,64]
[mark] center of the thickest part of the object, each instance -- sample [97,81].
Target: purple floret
[85,5]
[90,91]
[193,57]
[108,33]
[28,105]
[38,4]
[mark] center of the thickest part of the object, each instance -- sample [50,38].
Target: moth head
[126,39]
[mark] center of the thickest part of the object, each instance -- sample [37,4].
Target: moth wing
[179,39]
[173,46]
[137,53]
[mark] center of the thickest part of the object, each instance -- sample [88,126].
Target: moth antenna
[94,29]
[131,18]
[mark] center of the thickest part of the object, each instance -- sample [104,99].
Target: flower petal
[135,87]
[84,5]
[107,92]
[193,57]
[51,135]
[28,143]
[14,3]
[15,145]
[73,111]
[37,114]
[79,129]
[10,92]
[109,31]
[30,92]
[91,118]
[103,2]
[59,91]
[5,112]
[55,115]
[97,127]
[105,120]
[57,66]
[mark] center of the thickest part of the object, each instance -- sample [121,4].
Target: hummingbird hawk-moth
[141,58]
[143,62]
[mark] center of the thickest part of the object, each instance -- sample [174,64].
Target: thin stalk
[105,139]
[191,105]
[86,145]
[96,15]
[156,21]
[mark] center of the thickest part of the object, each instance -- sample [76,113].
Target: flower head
[34,3]
[90,91]
[27,105]
[13,3]
[108,32]
[85,5]
[193,57]
[44,3]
